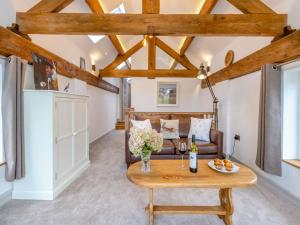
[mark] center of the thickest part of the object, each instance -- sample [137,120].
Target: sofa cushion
[154,119]
[184,123]
[167,149]
[169,129]
[206,147]
[141,124]
[200,128]
[203,146]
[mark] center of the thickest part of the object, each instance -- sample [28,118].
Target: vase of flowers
[142,143]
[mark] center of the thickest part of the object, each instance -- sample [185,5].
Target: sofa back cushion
[153,117]
[185,122]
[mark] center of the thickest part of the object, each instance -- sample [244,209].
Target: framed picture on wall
[82,63]
[45,77]
[167,93]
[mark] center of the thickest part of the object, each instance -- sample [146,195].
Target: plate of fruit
[223,166]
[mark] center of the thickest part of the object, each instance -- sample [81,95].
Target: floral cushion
[200,128]
[169,129]
[141,124]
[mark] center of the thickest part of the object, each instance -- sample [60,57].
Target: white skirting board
[5,197]
[50,195]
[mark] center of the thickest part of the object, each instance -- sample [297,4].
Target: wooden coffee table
[169,174]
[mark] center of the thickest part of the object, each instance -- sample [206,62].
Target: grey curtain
[12,117]
[269,129]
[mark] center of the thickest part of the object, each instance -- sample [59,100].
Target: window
[2,159]
[291,113]
[123,64]
[119,10]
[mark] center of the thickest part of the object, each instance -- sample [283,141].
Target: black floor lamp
[202,75]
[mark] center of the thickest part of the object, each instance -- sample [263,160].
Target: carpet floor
[103,195]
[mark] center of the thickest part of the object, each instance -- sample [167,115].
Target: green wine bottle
[193,156]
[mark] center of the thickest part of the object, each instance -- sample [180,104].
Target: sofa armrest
[216,137]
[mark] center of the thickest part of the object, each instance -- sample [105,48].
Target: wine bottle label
[193,160]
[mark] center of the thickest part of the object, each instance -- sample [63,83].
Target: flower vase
[146,163]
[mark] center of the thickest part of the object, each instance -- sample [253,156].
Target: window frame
[294,66]
[2,154]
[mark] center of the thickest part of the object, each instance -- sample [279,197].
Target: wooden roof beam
[151,52]
[50,6]
[121,58]
[251,6]
[96,7]
[206,8]
[151,6]
[149,73]
[181,59]
[159,24]
[283,50]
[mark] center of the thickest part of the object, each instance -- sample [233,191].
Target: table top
[170,174]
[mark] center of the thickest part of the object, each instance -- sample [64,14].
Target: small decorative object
[142,143]
[167,94]
[45,76]
[82,63]
[229,58]
[67,87]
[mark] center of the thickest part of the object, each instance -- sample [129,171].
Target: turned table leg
[151,217]
[226,202]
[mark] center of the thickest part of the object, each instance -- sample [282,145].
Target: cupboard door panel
[80,115]
[64,161]
[64,126]
[80,147]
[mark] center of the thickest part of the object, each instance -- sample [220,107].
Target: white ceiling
[202,48]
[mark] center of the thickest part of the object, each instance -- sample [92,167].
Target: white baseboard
[5,197]
[32,195]
[267,184]
[70,179]
[50,195]
[99,138]
[264,183]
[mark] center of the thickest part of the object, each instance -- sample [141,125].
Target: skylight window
[119,10]
[96,38]
[123,64]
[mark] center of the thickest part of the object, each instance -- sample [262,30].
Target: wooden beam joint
[15,28]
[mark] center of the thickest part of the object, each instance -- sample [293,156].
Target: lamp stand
[215,103]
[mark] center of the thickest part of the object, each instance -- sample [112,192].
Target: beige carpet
[104,196]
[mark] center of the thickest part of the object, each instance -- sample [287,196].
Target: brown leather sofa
[206,150]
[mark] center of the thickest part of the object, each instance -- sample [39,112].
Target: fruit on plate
[218,164]
[227,161]
[228,166]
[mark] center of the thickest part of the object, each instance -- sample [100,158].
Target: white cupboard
[56,143]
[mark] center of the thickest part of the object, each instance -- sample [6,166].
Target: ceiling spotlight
[145,41]
[202,74]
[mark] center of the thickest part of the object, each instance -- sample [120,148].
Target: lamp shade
[201,76]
